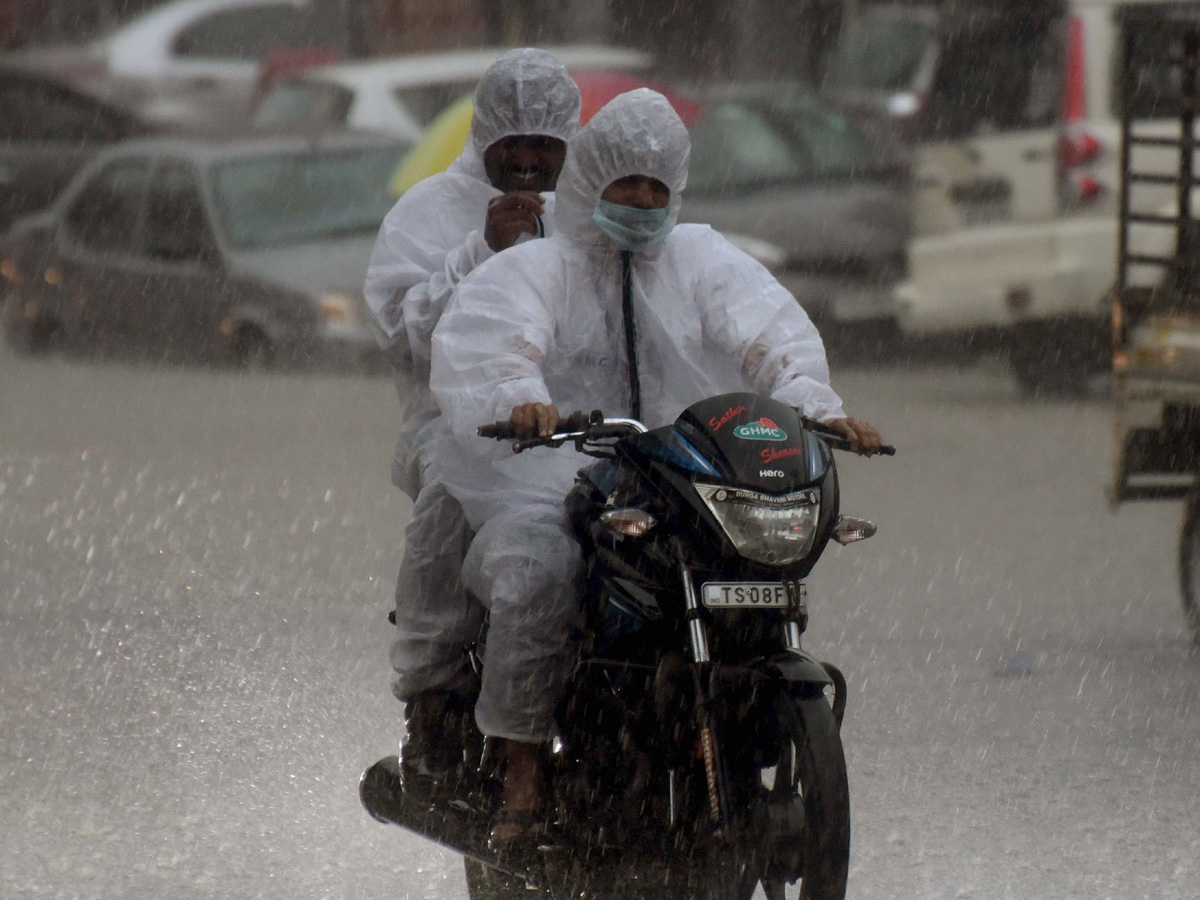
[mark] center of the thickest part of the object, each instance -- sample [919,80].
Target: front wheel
[486,883]
[37,338]
[812,767]
[1189,562]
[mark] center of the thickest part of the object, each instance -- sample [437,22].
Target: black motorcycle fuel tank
[755,441]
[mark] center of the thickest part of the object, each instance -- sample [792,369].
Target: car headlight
[777,530]
[338,308]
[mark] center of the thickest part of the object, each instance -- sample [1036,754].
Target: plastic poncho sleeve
[489,347]
[747,312]
[412,274]
[424,304]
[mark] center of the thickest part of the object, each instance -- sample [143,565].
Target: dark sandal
[514,829]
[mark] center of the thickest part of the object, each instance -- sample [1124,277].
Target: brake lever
[840,442]
[557,439]
[552,441]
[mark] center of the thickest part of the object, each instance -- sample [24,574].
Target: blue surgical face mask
[631,228]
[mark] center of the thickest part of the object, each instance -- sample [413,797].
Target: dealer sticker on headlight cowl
[762,430]
[754,442]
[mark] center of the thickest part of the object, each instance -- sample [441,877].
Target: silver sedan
[247,249]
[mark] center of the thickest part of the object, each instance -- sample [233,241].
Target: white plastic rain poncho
[431,239]
[543,323]
[433,236]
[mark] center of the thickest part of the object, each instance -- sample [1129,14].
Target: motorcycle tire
[486,883]
[813,765]
[725,882]
[1189,563]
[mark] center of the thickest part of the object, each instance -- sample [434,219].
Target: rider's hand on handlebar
[862,435]
[511,215]
[532,420]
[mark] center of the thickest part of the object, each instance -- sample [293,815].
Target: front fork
[794,623]
[718,805]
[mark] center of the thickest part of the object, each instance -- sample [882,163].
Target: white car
[1015,112]
[190,60]
[402,95]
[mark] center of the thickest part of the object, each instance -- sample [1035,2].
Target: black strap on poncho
[635,386]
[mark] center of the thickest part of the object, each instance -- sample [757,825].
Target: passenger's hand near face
[532,420]
[511,215]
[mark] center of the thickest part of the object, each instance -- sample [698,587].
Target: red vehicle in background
[19,21]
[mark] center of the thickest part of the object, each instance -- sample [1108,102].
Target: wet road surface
[195,569]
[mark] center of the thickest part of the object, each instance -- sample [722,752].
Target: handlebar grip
[504,430]
[500,431]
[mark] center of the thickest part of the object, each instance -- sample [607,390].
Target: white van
[1014,107]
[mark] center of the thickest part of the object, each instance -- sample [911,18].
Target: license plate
[744,595]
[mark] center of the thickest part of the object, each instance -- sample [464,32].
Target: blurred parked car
[198,61]
[820,197]
[403,95]
[48,130]
[250,249]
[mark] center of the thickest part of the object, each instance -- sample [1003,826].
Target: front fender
[797,671]
[798,667]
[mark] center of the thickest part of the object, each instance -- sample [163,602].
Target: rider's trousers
[435,618]
[527,568]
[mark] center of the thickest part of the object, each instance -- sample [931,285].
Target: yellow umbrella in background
[441,144]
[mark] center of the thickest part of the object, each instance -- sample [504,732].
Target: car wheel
[37,338]
[1189,563]
[250,347]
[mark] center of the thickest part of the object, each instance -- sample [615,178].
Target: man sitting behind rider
[526,108]
[543,326]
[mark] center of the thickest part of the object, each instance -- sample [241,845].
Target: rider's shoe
[432,748]
[520,823]
[517,832]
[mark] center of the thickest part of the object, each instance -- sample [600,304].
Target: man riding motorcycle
[526,108]
[620,310]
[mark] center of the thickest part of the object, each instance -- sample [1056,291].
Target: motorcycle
[698,749]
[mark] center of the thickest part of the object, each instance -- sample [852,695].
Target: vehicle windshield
[425,102]
[292,198]
[879,53]
[311,104]
[746,144]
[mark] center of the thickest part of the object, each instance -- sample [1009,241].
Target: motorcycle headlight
[629,522]
[776,530]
